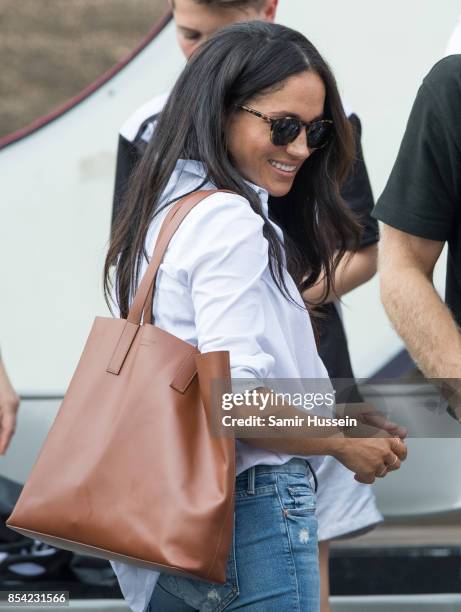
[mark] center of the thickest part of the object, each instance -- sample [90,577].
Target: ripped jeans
[273,563]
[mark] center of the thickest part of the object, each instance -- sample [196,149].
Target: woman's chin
[278,191]
[279,186]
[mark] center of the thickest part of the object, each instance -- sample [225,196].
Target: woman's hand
[9,404]
[371,458]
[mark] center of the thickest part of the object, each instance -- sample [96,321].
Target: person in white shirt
[256,111]
[344,506]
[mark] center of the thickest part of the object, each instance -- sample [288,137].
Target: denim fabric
[273,563]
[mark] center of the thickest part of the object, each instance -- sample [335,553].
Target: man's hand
[9,404]
[450,389]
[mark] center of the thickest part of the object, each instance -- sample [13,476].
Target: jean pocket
[297,498]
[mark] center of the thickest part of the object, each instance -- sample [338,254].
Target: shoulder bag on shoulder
[130,470]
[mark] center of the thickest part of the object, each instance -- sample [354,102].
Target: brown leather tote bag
[130,470]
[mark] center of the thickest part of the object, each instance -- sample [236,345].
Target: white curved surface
[429,481]
[57,183]
[56,208]
[35,418]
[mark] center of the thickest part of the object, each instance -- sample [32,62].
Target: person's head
[197,20]
[272,70]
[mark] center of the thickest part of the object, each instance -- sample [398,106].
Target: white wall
[56,185]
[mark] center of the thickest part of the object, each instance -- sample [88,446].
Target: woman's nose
[299,148]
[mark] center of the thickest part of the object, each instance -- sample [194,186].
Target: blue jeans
[273,562]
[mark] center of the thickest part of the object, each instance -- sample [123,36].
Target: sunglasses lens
[285,130]
[318,134]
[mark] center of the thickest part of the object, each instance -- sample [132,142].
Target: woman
[230,281]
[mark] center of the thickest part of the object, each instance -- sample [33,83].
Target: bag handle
[147,311]
[142,303]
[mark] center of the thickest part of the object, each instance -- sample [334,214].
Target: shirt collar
[197,169]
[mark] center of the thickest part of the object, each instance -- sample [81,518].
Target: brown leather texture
[130,470]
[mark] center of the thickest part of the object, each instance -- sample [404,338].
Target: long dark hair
[238,63]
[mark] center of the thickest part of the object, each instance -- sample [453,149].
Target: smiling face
[196,22]
[248,137]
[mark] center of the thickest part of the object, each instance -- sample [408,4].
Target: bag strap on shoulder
[142,303]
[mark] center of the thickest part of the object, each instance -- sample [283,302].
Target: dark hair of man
[234,66]
[229,4]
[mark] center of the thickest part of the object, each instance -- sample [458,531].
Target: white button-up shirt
[214,290]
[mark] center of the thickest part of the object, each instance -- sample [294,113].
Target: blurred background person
[9,404]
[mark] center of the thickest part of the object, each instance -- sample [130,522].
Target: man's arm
[353,270]
[424,322]
[9,404]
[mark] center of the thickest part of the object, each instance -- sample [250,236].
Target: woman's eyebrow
[286,113]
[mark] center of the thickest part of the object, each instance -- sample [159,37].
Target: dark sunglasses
[286,129]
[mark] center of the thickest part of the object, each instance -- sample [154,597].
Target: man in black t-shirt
[421,207]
